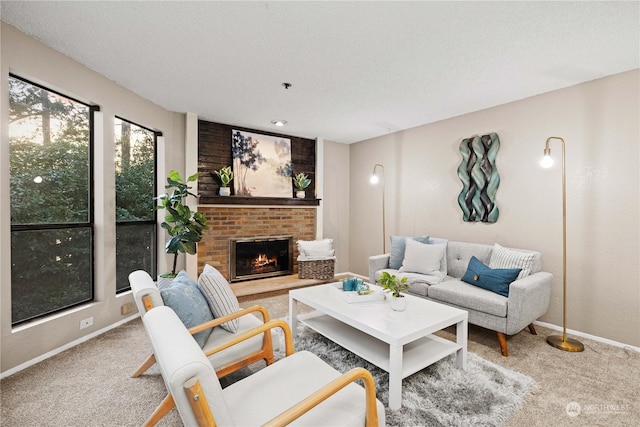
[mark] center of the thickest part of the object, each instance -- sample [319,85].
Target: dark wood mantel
[260,201]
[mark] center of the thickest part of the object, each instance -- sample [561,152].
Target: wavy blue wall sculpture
[479,177]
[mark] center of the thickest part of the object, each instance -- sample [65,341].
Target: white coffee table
[401,343]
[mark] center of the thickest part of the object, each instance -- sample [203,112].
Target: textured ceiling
[358,69]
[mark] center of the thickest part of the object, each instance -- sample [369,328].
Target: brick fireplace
[248,222]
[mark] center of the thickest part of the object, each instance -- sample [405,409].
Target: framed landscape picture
[261,165]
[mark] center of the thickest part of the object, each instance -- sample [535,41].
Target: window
[50,142]
[135,192]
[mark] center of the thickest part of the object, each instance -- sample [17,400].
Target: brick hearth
[227,222]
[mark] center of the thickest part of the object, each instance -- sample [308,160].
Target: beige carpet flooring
[89,385]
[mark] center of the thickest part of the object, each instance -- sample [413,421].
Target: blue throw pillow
[492,279]
[184,297]
[398,245]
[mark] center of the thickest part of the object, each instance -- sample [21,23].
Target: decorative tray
[355,297]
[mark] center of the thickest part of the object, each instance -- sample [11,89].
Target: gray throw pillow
[184,297]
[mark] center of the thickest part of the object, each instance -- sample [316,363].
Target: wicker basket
[318,269]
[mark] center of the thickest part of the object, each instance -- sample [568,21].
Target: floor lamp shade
[562,342]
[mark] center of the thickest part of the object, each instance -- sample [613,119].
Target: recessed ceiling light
[279,122]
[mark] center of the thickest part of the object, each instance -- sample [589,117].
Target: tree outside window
[135,191]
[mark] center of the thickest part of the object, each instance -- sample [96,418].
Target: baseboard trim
[588,336]
[67,346]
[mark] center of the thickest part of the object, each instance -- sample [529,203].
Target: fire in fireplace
[260,257]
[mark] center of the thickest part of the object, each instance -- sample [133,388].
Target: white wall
[30,59]
[599,121]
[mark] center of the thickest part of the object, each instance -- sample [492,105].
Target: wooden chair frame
[265,353]
[205,418]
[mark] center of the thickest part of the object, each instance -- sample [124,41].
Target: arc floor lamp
[374,180]
[562,342]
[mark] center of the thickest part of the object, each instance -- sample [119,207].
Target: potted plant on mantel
[225,175]
[394,286]
[301,181]
[184,226]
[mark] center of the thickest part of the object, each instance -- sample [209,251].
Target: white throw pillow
[219,296]
[422,258]
[502,257]
[396,256]
[316,248]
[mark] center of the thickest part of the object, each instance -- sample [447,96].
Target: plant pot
[300,194]
[398,303]
[225,191]
[163,282]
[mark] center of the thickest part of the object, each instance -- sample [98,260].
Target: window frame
[90,224]
[154,221]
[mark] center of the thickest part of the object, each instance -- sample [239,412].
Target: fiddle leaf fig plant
[301,181]
[184,226]
[225,175]
[392,284]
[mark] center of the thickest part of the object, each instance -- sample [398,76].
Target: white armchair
[300,389]
[260,347]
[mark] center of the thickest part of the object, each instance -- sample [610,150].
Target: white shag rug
[485,394]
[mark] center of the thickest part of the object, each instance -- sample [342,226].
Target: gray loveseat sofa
[528,297]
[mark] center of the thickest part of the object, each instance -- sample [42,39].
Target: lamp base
[569,345]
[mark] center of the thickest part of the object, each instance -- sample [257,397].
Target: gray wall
[335,202]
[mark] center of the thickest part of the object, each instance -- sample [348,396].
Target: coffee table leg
[293,316]
[395,377]
[461,338]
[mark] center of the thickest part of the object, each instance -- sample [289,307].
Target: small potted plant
[390,283]
[301,181]
[225,175]
[184,226]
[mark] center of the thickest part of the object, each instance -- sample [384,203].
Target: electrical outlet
[85,323]
[127,308]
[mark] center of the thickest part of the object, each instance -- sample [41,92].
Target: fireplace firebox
[260,257]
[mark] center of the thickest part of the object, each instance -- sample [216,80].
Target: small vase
[300,194]
[225,191]
[398,303]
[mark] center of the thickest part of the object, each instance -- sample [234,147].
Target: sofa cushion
[509,258]
[422,258]
[219,295]
[418,283]
[184,297]
[398,244]
[464,295]
[492,279]
[459,254]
